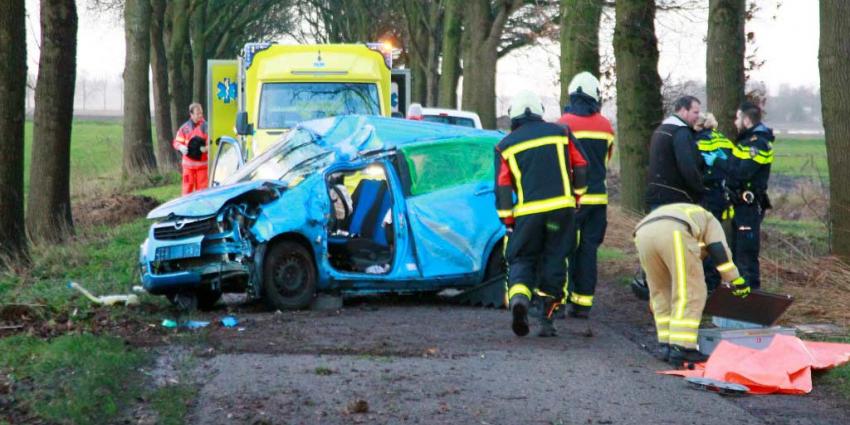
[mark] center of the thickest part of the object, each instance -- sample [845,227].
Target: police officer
[714,146]
[675,165]
[195,169]
[749,171]
[669,242]
[594,134]
[540,164]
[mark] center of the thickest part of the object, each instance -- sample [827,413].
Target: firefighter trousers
[746,241]
[591,222]
[537,252]
[671,258]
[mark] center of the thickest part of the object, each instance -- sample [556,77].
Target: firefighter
[675,166]
[671,241]
[749,171]
[713,146]
[192,141]
[540,164]
[594,134]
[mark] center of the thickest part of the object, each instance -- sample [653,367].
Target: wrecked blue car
[346,205]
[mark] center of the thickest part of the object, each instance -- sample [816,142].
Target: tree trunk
[199,59]
[579,40]
[450,67]
[49,205]
[417,81]
[834,61]
[179,90]
[724,63]
[138,149]
[167,158]
[480,54]
[13,91]
[639,108]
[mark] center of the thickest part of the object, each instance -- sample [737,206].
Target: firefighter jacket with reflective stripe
[675,165]
[749,165]
[541,164]
[704,228]
[594,134]
[184,134]
[710,140]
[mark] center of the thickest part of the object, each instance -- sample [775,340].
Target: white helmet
[525,101]
[586,83]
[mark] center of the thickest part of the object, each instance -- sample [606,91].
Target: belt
[665,217]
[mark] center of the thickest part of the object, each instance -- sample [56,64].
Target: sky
[786,39]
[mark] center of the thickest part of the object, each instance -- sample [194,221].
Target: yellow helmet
[525,102]
[586,83]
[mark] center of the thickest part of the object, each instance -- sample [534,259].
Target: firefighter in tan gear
[541,165]
[671,242]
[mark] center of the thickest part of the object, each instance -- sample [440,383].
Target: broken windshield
[296,157]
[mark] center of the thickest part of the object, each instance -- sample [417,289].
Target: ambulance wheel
[289,276]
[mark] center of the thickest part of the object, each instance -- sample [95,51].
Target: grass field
[800,158]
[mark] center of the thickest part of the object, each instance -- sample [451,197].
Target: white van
[444,116]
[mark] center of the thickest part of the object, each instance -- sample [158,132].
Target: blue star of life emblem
[226,90]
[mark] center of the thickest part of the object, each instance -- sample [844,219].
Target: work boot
[579,312]
[519,310]
[662,352]
[548,308]
[685,357]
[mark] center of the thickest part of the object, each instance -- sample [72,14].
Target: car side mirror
[243,127]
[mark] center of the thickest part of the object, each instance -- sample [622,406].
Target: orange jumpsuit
[195,172]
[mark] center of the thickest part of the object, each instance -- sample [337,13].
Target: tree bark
[579,40]
[49,205]
[450,67]
[197,27]
[179,90]
[834,61]
[166,156]
[138,148]
[639,108]
[480,54]
[417,81]
[725,61]
[13,90]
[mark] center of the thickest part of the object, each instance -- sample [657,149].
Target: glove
[709,157]
[740,287]
[183,149]
[721,155]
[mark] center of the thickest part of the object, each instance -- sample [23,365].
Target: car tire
[496,264]
[207,298]
[289,276]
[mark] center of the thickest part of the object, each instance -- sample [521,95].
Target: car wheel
[289,276]
[207,298]
[496,264]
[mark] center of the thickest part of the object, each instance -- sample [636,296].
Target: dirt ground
[112,209]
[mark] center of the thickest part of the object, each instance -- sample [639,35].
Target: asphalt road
[425,362]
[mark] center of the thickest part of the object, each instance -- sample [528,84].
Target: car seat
[370,243]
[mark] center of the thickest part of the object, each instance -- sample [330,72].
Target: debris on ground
[190,324]
[229,321]
[129,299]
[358,406]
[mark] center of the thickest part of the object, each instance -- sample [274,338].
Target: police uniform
[715,199]
[671,242]
[195,171]
[594,134]
[749,171]
[540,165]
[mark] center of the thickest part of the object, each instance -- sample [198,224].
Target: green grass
[606,253]
[808,232]
[800,158]
[73,379]
[172,403]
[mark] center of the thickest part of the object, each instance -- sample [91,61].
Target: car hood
[206,202]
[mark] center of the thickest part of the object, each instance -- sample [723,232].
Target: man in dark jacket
[593,132]
[675,164]
[748,173]
[539,165]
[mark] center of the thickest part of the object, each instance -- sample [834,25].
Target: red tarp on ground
[784,367]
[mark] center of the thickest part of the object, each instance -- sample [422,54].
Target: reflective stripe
[582,300]
[763,157]
[193,163]
[725,267]
[519,289]
[517,177]
[505,213]
[534,143]
[662,320]
[551,204]
[180,139]
[601,135]
[683,336]
[681,275]
[594,199]
[562,164]
[684,323]
[738,281]
[663,333]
